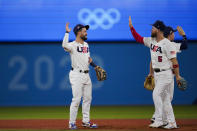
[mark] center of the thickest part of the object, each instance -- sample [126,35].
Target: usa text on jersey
[83,49]
[155,48]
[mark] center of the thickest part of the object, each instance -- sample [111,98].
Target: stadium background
[34,67]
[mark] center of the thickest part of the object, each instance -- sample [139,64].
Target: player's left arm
[176,69]
[90,61]
[184,44]
[100,72]
[171,54]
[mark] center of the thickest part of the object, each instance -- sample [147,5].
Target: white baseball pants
[81,88]
[171,97]
[162,96]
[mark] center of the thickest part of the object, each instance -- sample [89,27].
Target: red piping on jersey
[136,36]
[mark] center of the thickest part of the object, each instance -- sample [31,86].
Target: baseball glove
[100,73]
[149,83]
[182,84]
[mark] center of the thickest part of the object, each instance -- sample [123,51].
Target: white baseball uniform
[161,53]
[177,47]
[80,81]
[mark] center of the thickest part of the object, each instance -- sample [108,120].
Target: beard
[84,38]
[153,35]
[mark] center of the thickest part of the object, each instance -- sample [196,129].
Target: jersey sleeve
[136,36]
[170,50]
[184,44]
[147,41]
[66,45]
[178,46]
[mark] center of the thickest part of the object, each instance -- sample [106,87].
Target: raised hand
[130,22]
[67,28]
[180,30]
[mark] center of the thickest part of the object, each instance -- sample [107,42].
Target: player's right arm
[136,36]
[65,44]
[143,40]
[151,73]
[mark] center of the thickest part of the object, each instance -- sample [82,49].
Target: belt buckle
[86,71]
[157,70]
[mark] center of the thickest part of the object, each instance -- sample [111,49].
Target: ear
[79,33]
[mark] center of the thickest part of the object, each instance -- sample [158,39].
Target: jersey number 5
[159,58]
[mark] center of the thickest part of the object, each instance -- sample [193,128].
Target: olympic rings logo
[99,17]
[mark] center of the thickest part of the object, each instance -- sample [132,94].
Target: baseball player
[163,55]
[169,34]
[79,75]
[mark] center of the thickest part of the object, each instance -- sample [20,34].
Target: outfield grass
[97,112]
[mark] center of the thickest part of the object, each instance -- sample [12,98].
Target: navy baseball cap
[159,25]
[78,27]
[168,30]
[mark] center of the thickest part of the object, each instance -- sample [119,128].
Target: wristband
[175,66]
[92,64]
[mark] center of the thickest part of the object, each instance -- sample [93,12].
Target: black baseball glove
[182,84]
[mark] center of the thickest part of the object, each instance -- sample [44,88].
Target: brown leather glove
[100,73]
[149,83]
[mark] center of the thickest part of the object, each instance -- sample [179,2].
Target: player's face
[83,34]
[171,37]
[154,32]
